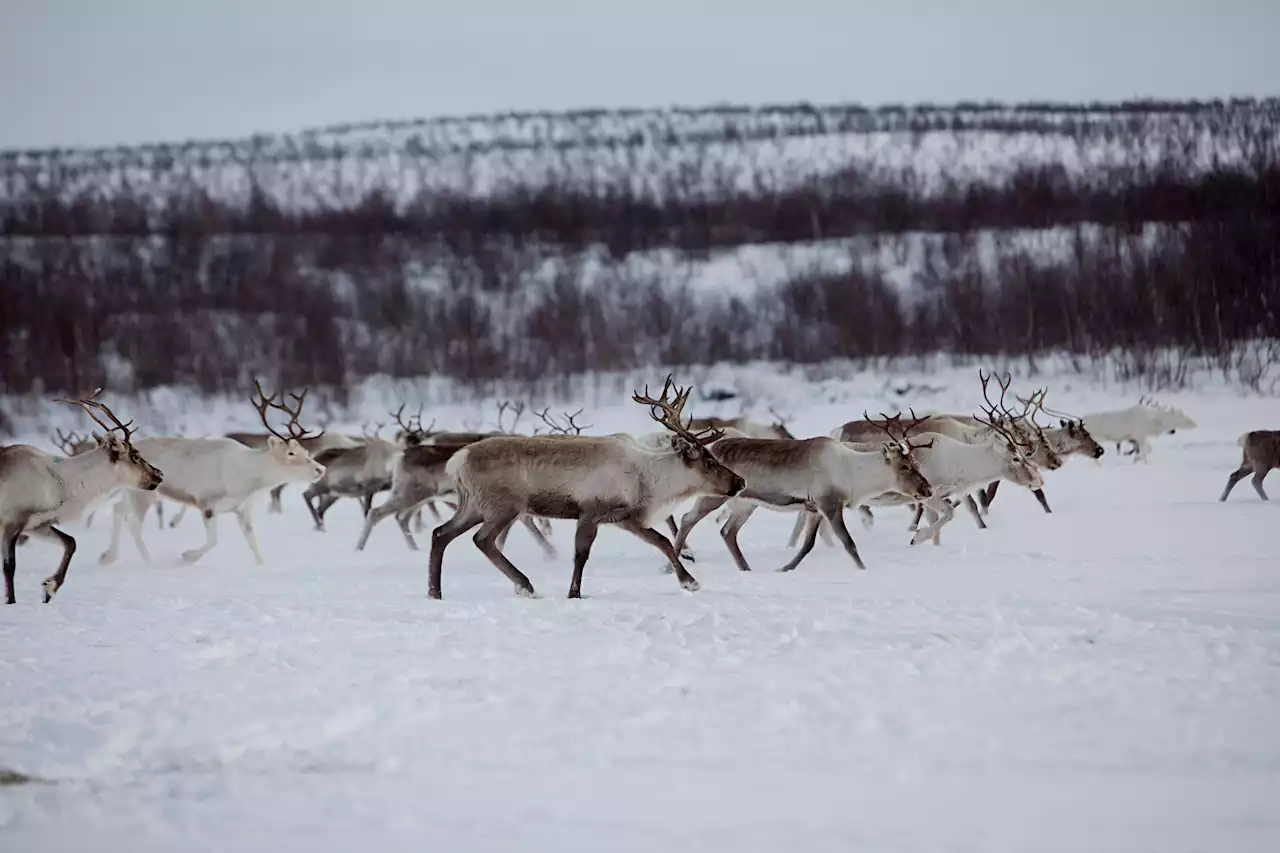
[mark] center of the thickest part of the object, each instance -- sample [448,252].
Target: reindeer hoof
[106,559]
[50,587]
[525,592]
[691,585]
[191,556]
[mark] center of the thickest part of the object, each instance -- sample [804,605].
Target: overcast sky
[90,72]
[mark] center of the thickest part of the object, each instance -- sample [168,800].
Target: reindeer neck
[86,476]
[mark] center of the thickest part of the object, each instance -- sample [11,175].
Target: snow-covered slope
[1104,678]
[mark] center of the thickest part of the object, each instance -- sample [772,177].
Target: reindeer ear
[273,442]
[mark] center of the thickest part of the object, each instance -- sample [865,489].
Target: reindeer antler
[782,420]
[915,422]
[67,441]
[1054,413]
[1032,406]
[377,428]
[414,425]
[90,405]
[262,403]
[569,428]
[994,420]
[516,408]
[667,411]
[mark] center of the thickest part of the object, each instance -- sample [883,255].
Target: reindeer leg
[987,496]
[583,538]
[1258,477]
[275,505]
[244,515]
[463,520]
[868,520]
[660,542]
[1044,502]
[1236,476]
[945,512]
[811,522]
[308,497]
[535,530]
[915,522]
[323,505]
[139,504]
[704,507]
[211,538]
[797,529]
[730,533]
[402,505]
[9,541]
[54,582]
[824,530]
[687,553]
[160,514]
[119,511]
[486,540]
[177,518]
[833,512]
[973,510]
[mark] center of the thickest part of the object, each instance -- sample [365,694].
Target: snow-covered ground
[1103,678]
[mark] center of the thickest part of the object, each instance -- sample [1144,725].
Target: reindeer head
[1071,435]
[900,454]
[1045,453]
[411,433]
[286,451]
[73,443]
[133,471]
[779,425]
[667,410]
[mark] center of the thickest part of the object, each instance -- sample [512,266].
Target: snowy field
[1105,678]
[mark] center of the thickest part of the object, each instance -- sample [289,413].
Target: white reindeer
[219,475]
[1137,425]
[592,479]
[38,490]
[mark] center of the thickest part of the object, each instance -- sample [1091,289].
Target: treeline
[131,288]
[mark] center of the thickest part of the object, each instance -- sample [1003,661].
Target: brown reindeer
[592,479]
[1261,454]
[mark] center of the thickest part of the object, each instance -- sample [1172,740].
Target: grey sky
[89,72]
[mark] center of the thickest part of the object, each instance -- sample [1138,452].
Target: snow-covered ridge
[645,150]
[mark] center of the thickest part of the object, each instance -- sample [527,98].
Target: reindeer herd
[491,480]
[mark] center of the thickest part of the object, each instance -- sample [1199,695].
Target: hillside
[525,246]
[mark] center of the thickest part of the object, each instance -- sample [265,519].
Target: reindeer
[353,472]
[746,426]
[420,478]
[260,440]
[592,479]
[1137,425]
[1000,425]
[1261,454]
[819,475]
[469,437]
[38,491]
[73,444]
[953,468]
[219,475]
[1069,438]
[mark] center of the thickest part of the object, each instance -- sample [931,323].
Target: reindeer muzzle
[1097,454]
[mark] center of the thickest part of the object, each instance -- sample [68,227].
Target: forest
[523,246]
